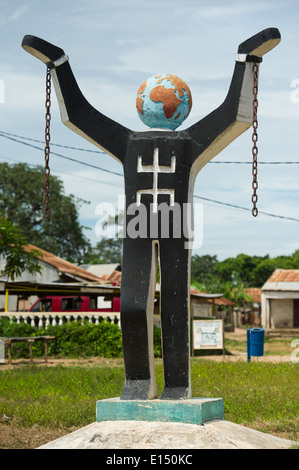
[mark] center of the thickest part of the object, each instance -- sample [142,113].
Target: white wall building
[280,300]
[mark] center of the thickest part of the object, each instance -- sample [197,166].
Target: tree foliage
[243,270]
[107,250]
[21,201]
[12,250]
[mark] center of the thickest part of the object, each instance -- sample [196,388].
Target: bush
[87,339]
[72,339]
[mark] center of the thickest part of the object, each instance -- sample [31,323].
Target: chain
[254,140]
[47,147]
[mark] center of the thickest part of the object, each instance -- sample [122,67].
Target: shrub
[72,339]
[87,339]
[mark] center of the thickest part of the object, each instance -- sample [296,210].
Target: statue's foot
[138,390]
[175,393]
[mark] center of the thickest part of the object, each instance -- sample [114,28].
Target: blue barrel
[255,342]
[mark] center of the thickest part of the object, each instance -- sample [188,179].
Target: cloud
[11,13]
[113,47]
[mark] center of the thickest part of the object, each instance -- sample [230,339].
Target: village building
[59,277]
[280,300]
[55,271]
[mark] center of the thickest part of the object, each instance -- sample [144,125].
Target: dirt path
[19,437]
[98,361]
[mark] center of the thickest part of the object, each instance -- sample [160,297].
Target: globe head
[164,101]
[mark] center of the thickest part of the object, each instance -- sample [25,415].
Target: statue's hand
[260,43]
[43,50]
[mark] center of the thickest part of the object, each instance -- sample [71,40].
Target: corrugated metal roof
[63,265]
[283,280]
[284,275]
[114,277]
[223,302]
[101,270]
[255,294]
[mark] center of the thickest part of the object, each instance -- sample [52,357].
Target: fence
[42,320]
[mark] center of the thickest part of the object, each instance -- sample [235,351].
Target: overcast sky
[113,47]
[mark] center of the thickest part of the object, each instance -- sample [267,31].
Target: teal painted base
[191,411]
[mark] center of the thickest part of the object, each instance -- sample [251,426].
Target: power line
[10,137]
[52,143]
[232,162]
[59,155]
[66,173]
[260,162]
[245,208]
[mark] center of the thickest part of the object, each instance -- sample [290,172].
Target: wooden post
[8,344]
[6,300]
[30,341]
[46,350]
[223,339]
[191,332]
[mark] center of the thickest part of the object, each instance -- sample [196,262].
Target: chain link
[254,140]
[47,147]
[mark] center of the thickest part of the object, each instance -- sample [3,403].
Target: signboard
[208,334]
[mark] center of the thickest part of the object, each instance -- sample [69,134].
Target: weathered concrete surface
[157,435]
[190,411]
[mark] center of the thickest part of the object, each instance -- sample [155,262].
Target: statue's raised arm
[215,131]
[76,112]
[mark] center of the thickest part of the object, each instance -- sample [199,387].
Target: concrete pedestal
[191,411]
[197,423]
[134,435]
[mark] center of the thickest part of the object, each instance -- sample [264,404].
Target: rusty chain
[47,147]
[254,140]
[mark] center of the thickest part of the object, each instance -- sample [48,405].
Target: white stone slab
[157,435]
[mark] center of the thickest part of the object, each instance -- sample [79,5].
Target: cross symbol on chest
[155,168]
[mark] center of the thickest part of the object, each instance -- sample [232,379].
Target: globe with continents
[163,101]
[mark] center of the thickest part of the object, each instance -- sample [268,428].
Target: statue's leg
[139,269]
[175,294]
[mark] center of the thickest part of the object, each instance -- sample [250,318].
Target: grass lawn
[272,346]
[260,395]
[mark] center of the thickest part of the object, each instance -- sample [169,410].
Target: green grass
[260,395]
[251,391]
[56,396]
[272,346]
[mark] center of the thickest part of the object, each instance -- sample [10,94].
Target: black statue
[172,159]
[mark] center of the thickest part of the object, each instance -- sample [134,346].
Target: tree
[241,268]
[106,251]
[240,272]
[21,200]
[263,271]
[12,250]
[202,267]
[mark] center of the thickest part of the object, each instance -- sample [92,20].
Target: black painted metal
[138,268]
